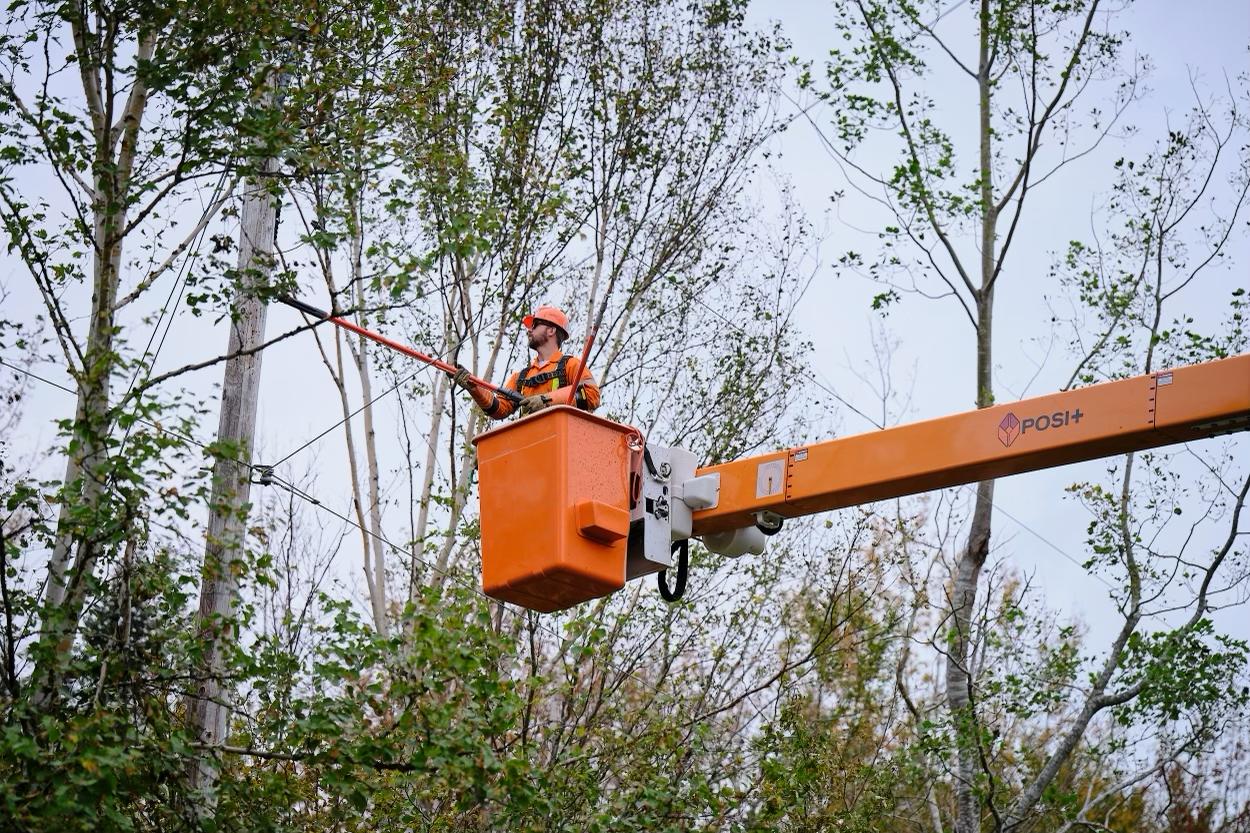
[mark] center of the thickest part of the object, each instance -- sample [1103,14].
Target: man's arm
[494,406]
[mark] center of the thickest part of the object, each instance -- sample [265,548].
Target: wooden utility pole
[209,706]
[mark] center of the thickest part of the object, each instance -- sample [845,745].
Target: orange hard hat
[552,315]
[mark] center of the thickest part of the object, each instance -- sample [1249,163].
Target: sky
[1038,530]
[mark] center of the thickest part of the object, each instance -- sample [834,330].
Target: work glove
[532,404]
[461,379]
[482,397]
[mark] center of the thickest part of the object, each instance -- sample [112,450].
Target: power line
[179,285]
[266,471]
[193,253]
[443,357]
[998,508]
[36,376]
[385,393]
[953,7]
[149,423]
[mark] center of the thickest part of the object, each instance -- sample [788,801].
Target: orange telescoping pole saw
[584,372]
[394,345]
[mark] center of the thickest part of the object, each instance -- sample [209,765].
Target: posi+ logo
[1012,426]
[1008,429]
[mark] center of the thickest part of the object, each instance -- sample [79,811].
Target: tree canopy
[239,551]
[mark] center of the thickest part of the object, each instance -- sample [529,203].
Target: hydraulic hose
[682,548]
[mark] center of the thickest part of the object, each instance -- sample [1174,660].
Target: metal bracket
[768,523]
[671,494]
[699,492]
[664,511]
[650,521]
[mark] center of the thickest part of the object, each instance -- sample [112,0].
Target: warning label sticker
[770,478]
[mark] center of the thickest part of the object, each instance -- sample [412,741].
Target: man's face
[540,333]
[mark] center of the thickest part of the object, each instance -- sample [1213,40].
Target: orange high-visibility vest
[544,377]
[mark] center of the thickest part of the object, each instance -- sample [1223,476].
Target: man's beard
[535,343]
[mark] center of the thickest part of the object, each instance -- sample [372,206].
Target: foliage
[443,168]
[950,129]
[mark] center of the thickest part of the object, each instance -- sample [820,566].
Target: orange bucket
[554,496]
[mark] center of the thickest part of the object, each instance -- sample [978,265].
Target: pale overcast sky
[1207,41]
[934,356]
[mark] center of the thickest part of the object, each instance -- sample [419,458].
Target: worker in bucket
[551,379]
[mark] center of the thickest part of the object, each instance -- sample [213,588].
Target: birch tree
[121,135]
[158,103]
[1047,84]
[1027,67]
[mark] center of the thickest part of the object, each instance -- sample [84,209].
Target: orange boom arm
[555,534]
[1171,406]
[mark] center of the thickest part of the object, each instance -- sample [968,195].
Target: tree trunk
[377,587]
[208,709]
[959,671]
[84,486]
